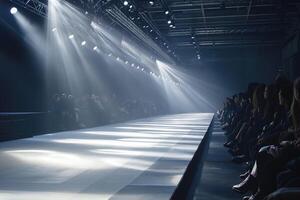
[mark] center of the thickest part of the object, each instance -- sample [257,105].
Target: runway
[142,159]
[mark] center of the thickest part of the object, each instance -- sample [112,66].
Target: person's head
[258,97]
[285,95]
[250,89]
[297,90]
[270,91]
[236,99]
[295,109]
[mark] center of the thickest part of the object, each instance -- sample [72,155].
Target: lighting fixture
[13,10]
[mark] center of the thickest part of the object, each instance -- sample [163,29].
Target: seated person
[272,159]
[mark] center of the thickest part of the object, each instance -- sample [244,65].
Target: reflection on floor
[142,159]
[219,174]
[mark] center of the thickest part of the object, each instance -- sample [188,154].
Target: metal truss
[36,6]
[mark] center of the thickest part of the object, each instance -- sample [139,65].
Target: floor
[139,160]
[218,172]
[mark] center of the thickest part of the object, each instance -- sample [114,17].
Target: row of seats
[262,126]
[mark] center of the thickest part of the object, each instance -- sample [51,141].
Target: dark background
[227,69]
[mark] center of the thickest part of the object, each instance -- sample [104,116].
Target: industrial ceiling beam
[36,6]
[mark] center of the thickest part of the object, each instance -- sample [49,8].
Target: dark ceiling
[191,28]
[211,24]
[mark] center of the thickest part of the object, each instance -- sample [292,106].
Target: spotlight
[54,29]
[126,62]
[86,12]
[110,55]
[167,12]
[151,3]
[13,10]
[132,65]
[95,48]
[83,43]
[171,25]
[169,22]
[117,58]
[151,30]
[125,3]
[71,36]
[131,6]
[174,26]
[138,67]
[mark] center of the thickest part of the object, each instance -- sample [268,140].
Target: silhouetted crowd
[68,112]
[262,126]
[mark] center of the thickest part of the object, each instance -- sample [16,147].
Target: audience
[68,112]
[262,126]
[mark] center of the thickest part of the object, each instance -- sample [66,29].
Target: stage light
[13,10]
[151,3]
[126,62]
[169,22]
[125,3]
[167,12]
[138,67]
[54,29]
[131,6]
[71,36]
[83,43]
[95,48]
[86,12]
[171,25]
[132,65]
[151,30]
[118,59]
[110,55]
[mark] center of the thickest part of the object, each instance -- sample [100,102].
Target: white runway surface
[143,159]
